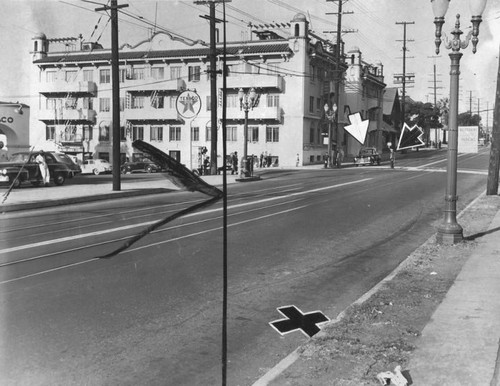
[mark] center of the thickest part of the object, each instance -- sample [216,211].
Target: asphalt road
[316,239]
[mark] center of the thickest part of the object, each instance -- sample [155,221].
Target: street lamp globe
[439,7]
[477,7]
[252,95]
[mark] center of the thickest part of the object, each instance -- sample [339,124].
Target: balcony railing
[82,115]
[259,112]
[133,85]
[149,113]
[260,81]
[62,87]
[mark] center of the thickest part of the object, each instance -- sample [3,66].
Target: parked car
[144,166]
[96,166]
[367,156]
[22,168]
[70,161]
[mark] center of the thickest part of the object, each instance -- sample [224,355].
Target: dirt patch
[382,332]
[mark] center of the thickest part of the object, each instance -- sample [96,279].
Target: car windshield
[19,157]
[63,158]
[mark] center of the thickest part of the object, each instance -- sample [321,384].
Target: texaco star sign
[188,104]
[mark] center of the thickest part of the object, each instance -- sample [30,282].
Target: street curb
[78,200]
[291,358]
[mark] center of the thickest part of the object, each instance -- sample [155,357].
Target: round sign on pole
[188,104]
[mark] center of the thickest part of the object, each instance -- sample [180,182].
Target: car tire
[59,179]
[149,169]
[16,183]
[96,172]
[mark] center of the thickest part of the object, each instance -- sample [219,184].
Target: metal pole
[115,96]
[213,92]
[337,86]
[450,231]
[245,141]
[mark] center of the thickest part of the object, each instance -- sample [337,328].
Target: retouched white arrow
[358,128]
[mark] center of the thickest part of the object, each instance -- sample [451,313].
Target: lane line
[152,245]
[147,223]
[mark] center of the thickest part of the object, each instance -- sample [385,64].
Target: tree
[424,115]
[468,119]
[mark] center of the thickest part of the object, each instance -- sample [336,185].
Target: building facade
[291,69]
[14,127]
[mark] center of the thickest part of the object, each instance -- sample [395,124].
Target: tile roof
[96,56]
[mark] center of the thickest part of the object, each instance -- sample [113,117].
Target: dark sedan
[367,156]
[139,166]
[22,167]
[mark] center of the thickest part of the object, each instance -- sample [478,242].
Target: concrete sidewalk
[460,345]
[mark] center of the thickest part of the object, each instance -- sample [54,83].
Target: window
[174,133]
[122,103]
[156,133]
[88,103]
[103,133]
[87,132]
[104,156]
[273,100]
[137,102]
[137,73]
[253,133]
[318,104]
[70,76]
[232,100]
[194,73]
[104,104]
[272,134]
[311,134]
[137,132]
[105,76]
[311,104]
[157,101]
[195,134]
[50,104]
[158,73]
[88,75]
[208,133]
[70,133]
[175,72]
[172,101]
[50,133]
[231,133]
[209,103]
[50,76]
[123,133]
[122,75]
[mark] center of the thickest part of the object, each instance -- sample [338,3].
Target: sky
[374,22]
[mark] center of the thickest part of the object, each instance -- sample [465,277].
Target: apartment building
[291,69]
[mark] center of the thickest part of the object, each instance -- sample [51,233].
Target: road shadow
[481,234]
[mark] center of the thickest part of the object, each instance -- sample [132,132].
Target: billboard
[468,137]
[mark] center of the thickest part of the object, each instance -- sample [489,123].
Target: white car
[96,166]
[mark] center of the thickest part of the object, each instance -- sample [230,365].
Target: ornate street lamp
[450,231]
[247,102]
[330,116]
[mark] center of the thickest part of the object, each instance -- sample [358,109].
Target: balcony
[83,88]
[142,85]
[259,81]
[73,115]
[149,113]
[264,113]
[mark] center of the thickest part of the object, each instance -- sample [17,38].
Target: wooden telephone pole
[493,168]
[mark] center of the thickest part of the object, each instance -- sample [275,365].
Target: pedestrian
[298,160]
[234,163]
[206,165]
[44,168]
[3,152]
[261,160]
[392,158]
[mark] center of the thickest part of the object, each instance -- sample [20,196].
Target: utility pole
[337,79]
[493,167]
[435,87]
[115,91]
[404,24]
[213,82]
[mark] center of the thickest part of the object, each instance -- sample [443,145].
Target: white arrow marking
[358,128]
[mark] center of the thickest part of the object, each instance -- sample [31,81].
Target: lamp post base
[449,234]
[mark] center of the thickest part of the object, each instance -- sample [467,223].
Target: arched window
[352,58]
[297,30]
[36,46]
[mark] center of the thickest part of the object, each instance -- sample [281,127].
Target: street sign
[358,128]
[468,139]
[188,104]
[296,320]
[410,137]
